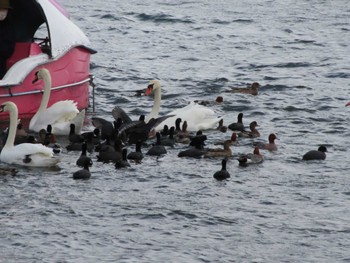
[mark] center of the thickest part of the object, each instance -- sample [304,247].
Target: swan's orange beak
[149,90]
[347,104]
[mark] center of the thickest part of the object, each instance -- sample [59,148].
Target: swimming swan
[26,154]
[60,115]
[197,116]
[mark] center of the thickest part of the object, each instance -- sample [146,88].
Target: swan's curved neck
[47,90]
[12,129]
[156,104]
[45,75]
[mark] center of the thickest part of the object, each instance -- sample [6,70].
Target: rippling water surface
[170,209]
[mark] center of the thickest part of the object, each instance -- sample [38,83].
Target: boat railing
[41,91]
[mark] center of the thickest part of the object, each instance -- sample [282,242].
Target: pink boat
[46,37]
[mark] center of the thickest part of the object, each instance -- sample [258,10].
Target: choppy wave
[162,18]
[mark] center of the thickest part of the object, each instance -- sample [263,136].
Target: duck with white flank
[251,158]
[271,146]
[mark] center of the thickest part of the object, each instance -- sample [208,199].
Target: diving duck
[169,140]
[320,154]
[253,133]
[196,149]
[220,152]
[85,172]
[218,100]
[255,158]
[123,163]
[271,146]
[183,136]
[251,89]
[157,149]
[221,127]
[137,155]
[237,126]
[223,173]
[83,156]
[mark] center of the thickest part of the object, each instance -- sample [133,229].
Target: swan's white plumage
[26,154]
[198,117]
[60,115]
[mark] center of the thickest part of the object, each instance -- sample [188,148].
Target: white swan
[60,115]
[26,154]
[198,117]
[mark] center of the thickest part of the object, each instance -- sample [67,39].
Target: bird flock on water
[126,141]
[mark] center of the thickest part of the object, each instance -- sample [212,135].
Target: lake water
[170,209]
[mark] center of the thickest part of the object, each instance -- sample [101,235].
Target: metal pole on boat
[93,85]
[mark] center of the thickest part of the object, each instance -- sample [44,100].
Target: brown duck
[271,146]
[251,89]
[253,133]
[220,152]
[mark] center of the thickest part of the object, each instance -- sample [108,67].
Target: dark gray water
[170,209]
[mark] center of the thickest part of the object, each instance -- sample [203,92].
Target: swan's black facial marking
[36,78]
[2,108]
[149,89]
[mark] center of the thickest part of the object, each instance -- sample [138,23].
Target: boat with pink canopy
[46,38]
